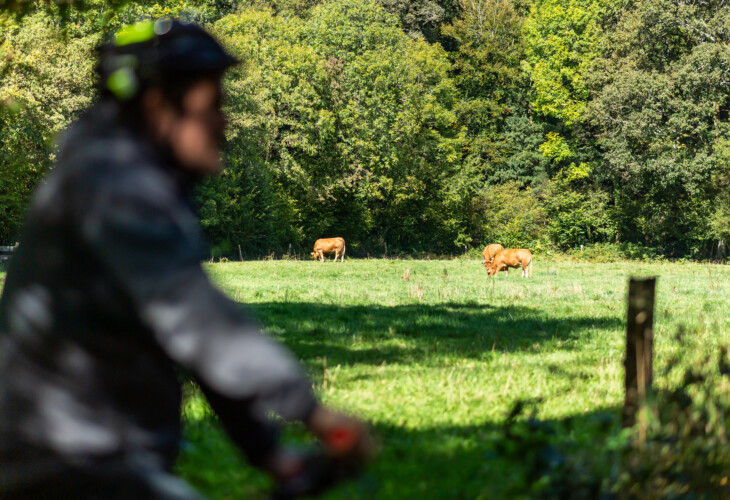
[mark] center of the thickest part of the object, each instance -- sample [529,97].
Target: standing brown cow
[489,252]
[511,258]
[329,245]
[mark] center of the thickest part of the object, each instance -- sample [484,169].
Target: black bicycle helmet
[150,51]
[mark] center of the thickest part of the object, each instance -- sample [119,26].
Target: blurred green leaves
[405,123]
[352,117]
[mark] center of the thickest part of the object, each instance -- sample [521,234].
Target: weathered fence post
[639,346]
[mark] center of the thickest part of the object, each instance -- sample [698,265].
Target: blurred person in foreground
[106,299]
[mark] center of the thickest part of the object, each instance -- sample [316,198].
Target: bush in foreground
[677,449]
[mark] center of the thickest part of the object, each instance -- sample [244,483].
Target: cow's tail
[529,267]
[344,246]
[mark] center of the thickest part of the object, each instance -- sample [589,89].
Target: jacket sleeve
[150,241]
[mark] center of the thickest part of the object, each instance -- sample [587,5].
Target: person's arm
[149,240]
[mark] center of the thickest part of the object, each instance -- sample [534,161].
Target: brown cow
[489,252]
[329,245]
[511,258]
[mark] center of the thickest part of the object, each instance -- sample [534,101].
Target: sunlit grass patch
[436,361]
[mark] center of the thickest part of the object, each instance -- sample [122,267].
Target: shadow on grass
[475,461]
[407,333]
[479,461]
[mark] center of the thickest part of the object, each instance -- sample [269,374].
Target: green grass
[436,362]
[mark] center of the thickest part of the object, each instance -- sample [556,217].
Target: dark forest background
[428,125]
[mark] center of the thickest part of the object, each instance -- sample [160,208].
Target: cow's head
[314,255]
[491,270]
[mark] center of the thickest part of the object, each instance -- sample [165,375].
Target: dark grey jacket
[106,298]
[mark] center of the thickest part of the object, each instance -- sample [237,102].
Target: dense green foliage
[426,126]
[661,119]
[437,357]
[352,118]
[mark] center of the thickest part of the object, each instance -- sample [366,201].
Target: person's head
[166,75]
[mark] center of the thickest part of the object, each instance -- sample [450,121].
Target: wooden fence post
[639,346]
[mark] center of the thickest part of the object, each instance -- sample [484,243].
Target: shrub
[511,216]
[578,218]
[678,449]
[611,252]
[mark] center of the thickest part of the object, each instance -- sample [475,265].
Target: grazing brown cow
[489,252]
[329,245]
[511,258]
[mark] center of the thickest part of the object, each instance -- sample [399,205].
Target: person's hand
[345,448]
[342,437]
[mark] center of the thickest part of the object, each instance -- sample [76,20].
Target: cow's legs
[337,254]
[321,256]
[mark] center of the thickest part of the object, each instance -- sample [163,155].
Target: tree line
[427,125]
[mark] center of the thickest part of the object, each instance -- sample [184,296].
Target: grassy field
[434,354]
